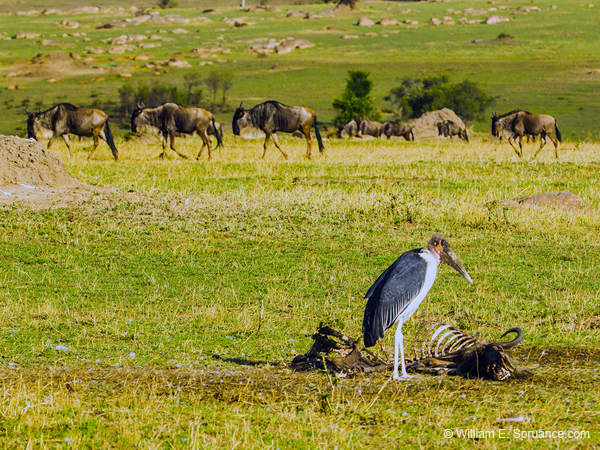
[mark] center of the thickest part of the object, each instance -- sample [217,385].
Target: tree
[355,100]
[417,96]
[213,82]
[226,84]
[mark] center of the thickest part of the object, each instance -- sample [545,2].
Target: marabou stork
[399,291]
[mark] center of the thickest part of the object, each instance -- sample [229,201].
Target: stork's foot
[404,376]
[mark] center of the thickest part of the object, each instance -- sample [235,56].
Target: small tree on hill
[355,100]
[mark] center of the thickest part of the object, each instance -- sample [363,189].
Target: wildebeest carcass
[369,127]
[389,129]
[272,116]
[66,118]
[520,123]
[439,349]
[349,130]
[172,119]
[447,128]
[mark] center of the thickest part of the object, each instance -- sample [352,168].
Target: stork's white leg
[399,343]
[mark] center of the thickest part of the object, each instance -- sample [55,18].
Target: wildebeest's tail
[412,134]
[218,134]
[558,135]
[110,141]
[318,134]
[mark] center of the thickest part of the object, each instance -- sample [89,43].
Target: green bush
[417,96]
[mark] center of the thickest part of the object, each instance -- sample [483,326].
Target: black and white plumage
[400,289]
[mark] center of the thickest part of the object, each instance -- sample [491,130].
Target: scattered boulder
[426,125]
[365,22]
[387,21]
[23,35]
[492,20]
[349,36]
[435,21]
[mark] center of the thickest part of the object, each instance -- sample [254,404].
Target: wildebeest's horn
[515,341]
[241,104]
[27,112]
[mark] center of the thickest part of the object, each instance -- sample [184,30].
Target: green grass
[215,296]
[551,68]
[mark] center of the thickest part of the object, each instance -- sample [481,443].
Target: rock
[386,21]
[491,20]
[74,55]
[143,57]
[426,125]
[370,34]
[23,35]
[435,21]
[179,31]
[349,36]
[296,14]
[563,199]
[365,22]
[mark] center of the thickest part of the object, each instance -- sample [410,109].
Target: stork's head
[438,245]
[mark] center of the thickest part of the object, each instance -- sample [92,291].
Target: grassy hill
[550,67]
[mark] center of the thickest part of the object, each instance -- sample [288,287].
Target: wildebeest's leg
[521,146]
[542,143]
[511,140]
[267,136]
[306,132]
[163,141]
[68,142]
[95,133]
[172,138]
[555,142]
[205,142]
[276,140]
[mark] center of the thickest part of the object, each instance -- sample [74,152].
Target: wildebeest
[389,129]
[520,123]
[369,127]
[349,130]
[272,116]
[66,118]
[171,119]
[447,128]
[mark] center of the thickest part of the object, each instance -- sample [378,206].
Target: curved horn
[515,341]
[27,112]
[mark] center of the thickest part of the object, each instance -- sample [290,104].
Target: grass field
[551,67]
[165,315]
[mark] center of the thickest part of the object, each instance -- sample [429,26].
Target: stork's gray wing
[391,293]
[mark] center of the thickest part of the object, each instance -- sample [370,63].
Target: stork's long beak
[452,260]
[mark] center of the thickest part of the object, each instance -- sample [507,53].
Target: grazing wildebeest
[171,119]
[349,130]
[390,129]
[370,127]
[272,116]
[447,128]
[520,123]
[66,118]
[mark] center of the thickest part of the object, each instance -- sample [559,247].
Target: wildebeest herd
[171,120]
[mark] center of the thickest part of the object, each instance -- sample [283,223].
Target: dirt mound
[32,173]
[54,64]
[562,199]
[426,126]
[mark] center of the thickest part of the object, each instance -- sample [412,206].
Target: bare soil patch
[33,174]
[54,64]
